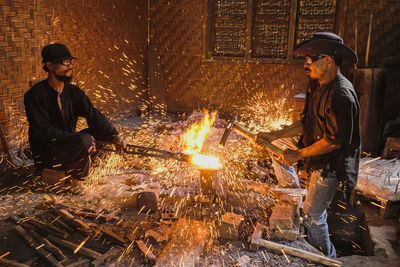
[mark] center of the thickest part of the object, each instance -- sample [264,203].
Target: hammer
[243,131]
[256,241]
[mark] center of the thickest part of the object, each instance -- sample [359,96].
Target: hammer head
[228,131]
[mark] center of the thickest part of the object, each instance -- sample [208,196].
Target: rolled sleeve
[339,120]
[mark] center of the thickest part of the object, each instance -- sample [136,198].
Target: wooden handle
[300,253]
[243,131]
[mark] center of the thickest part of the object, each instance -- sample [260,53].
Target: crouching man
[52,108]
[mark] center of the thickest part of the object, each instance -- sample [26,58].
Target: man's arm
[99,124]
[292,130]
[320,147]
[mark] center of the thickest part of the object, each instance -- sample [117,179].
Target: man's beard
[308,74]
[63,78]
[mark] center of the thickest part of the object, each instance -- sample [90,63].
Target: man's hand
[120,143]
[92,148]
[266,136]
[271,136]
[289,157]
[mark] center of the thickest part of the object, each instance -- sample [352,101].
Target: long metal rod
[152,152]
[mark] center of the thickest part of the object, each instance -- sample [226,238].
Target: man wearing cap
[52,108]
[329,132]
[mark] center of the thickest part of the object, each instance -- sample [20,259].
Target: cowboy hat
[326,43]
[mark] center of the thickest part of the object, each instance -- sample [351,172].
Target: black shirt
[332,112]
[46,123]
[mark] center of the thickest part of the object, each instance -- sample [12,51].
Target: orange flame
[192,142]
[194,138]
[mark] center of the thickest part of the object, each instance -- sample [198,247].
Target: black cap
[55,52]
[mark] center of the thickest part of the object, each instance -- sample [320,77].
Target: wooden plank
[112,252]
[211,28]
[249,25]
[292,28]
[5,262]
[91,254]
[80,263]
[340,20]
[49,246]
[37,247]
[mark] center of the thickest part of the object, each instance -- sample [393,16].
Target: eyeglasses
[311,59]
[65,62]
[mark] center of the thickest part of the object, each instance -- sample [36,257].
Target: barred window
[266,29]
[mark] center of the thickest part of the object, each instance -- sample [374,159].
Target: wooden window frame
[208,34]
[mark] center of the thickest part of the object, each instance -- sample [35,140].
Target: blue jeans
[321,191]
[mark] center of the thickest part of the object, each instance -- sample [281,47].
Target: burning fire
[194,138]
[192,142]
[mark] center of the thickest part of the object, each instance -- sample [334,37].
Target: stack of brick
[285,218]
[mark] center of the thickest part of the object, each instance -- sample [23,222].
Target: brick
[284,221]
[294,196]
[290,235]
[131,237]
[277,192]
[146,251]
[282,217]
[155,237]
[296,201]
[230,224]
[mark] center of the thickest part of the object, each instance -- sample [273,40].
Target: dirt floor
[115,178]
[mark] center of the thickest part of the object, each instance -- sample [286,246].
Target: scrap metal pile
[137,208]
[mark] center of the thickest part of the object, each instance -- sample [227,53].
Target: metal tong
[152,152]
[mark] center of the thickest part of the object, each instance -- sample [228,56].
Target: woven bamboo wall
[192,82]
[108,37]
[385,34]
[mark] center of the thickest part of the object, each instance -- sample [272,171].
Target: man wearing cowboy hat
[329,132]
[52,109]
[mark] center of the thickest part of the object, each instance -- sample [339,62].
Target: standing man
[330,142]
[52,108]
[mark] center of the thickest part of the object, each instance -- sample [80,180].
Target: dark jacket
[46,124]
[332,112]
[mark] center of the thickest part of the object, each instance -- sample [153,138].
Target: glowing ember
[193,139]
[205,162]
